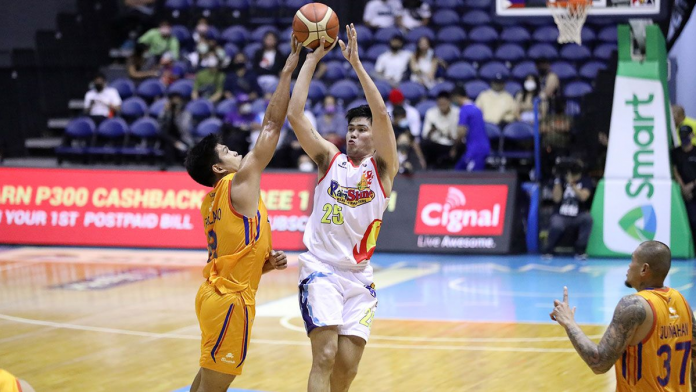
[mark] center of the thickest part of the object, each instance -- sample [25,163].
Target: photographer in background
[571,195]
[684,169]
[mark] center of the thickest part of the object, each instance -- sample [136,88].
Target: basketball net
[570,16]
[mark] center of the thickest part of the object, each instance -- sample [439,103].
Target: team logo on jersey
[352,197]
[365,180]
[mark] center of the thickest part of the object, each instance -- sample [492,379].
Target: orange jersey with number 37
[238,246]
[662,361]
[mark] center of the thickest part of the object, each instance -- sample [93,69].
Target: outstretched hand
[350,51]
[294,57]
[562,313]
[320,51]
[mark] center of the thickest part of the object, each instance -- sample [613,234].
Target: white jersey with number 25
[348,205]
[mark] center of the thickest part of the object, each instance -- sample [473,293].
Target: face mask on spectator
[202,48]
[210,62]
[403,123]
[245,108]
[331,109]
[530,85]
[306,167]
[165,31]
[99,86]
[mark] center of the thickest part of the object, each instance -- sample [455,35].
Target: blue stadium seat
[259,106]
[258,34]
[347,90]
[78,135]
[413,92]
[461,71]
[293,5]
[587,35]
[516,34]
[369,67]
[200,109]
[416,34]
[208,5]
[251,48]
[445,17]
[133,108]
[521,70]
[447,52]
[564,70]
[484,34]
[604,51]
[548,34]
[576,89]
[590,69]
[477,53]
[517,132]
[480,4]
[384,87]
[142,138]
[440,87]
[225,107]
[574,52]
[151,88]
[452,4]
[510,52]
[385,35]
[231,49]
[572,108]
[208,127]
[513,87]
[608,34]
[110,137]
[494,133]
[178,5]
[364,34]
[356,103]
[183,87]
[182,34]
[125,87]
[237,5]
[423,107]
[489,71]
[335,71]
[476,18]
[375,51]
[264,12]
[317,91]
[284,48]
[180,68]
[157,107]
[475,87]
[213,33]
[451,35]
[542,50]
[237,35]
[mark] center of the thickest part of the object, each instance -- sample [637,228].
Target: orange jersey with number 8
[662,361]
[238,246]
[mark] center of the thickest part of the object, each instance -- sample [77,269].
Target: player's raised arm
[316,147]
[247,181]
[382,131]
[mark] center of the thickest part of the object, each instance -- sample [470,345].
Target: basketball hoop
[569,16]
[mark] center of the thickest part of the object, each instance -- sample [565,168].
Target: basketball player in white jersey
[337,295]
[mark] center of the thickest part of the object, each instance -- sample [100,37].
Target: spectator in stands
[415,13]
[684,169]
[396,98]
[424,64]
[305,164]
[525,100]
[139,67]
[210,81]
[161,41]
[549,82]
[571,194]
[240,79]
[331,124]
[472,131]
[391,66]
[101,101]
[169,73]
[382,13]
[200,33]
[175,125]
[680,119]
[410,155]
[268,61]
[497,105]
[239,123]
[440,132]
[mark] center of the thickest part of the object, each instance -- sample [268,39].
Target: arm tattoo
[315,134]
[628,316]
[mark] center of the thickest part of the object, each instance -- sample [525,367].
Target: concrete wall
[20,19]
[684,53]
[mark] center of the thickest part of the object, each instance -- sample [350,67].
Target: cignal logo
[640,223]
[461,209]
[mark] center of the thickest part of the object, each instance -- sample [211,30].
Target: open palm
[350,51]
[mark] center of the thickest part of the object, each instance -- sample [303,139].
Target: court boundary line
[278,342]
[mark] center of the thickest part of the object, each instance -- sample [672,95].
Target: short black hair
[358,112]
[460,91]
[399,111]
[201,158]
[444,94]
[99,75]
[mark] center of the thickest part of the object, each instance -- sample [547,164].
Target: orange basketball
[313,21]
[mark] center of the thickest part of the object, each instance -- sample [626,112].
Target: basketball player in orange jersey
[239,240]
[652,335]
[337,295]
[10,383]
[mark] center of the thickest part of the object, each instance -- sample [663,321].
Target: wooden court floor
[123,320]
